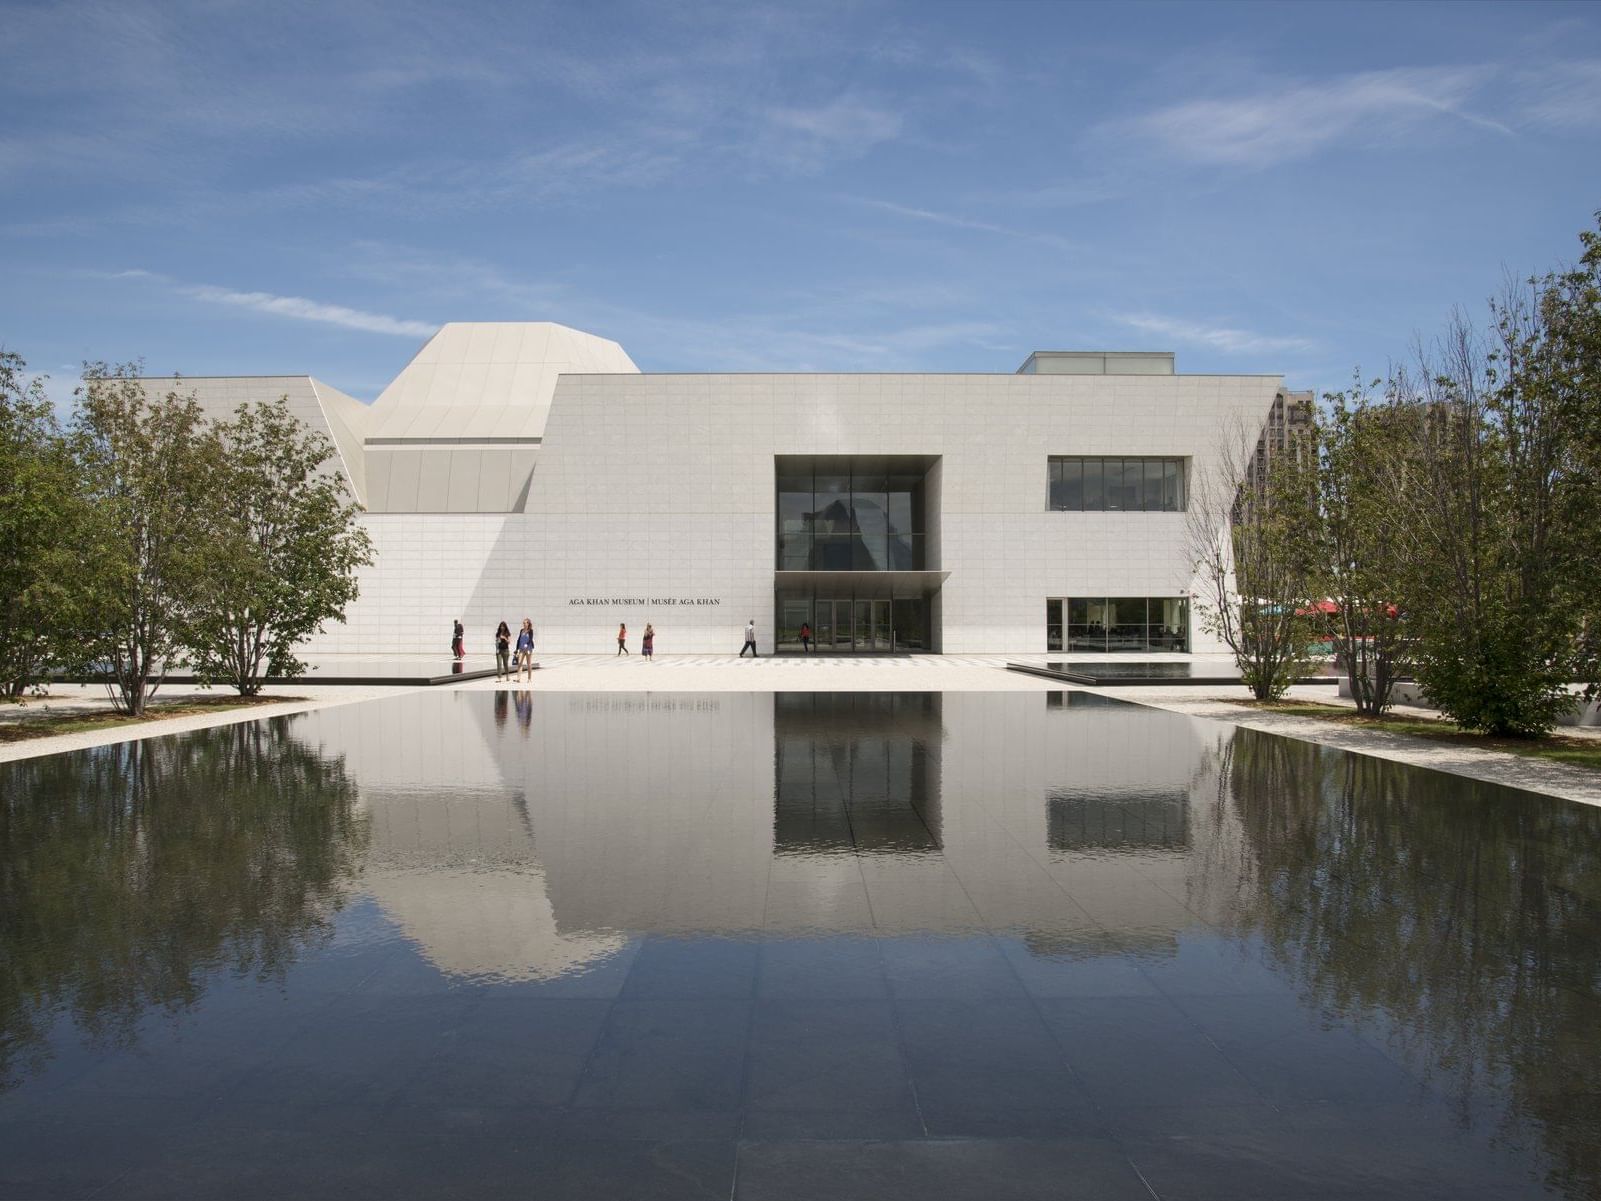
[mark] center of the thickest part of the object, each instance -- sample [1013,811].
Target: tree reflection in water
[1463,916]
[129,872]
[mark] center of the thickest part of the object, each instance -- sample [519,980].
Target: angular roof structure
[487,381]
[457,431]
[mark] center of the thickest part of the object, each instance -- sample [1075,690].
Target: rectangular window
[1132,624]
[1151,494]
[1117,484]
[1094,499]
[1072,485]
[1133,470]
[850,513]
[1112,473]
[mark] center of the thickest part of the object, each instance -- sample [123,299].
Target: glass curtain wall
[854,518]
[1121,623]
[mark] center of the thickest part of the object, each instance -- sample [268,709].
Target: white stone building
[516,470]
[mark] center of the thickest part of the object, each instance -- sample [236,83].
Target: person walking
[750,640]
[806,637]
[502,651]
[525,649]
[458,639]
[622,639]
[648,643]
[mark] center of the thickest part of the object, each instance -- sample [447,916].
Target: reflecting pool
[798,945]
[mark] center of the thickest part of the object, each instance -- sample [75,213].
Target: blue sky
[241,188]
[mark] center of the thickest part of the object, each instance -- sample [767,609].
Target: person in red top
[622,640]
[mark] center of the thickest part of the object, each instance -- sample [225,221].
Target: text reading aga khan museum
[528,469]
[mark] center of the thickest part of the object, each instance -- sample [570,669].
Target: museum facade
[529,470]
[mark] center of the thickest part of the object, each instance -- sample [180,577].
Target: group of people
[647,644]
[518,661]
[510,662]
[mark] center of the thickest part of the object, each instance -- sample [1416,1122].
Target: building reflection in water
[856,772]
[611,815]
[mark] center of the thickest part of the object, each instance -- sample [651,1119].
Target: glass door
[864,625]
[841,625]
[883,634]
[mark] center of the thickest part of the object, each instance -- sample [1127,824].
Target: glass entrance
[863,625]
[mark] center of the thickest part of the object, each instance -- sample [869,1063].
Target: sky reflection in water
[612,940]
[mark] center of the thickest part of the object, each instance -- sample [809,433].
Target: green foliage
[152,468]
[49,545]
[1504,549]
[283,552]
[1357,441]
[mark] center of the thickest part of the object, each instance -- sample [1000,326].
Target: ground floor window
[851,623]
[1118,623]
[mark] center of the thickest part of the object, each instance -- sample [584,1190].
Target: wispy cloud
[780,342]
[1565,94]
[805,140]
[302,309]
[1299,119]
[957,221]
[297,307]
[1214,337]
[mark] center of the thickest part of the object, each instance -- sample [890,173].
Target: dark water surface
[803,945]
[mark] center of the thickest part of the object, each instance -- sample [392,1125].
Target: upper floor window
[852,512]
[1080,484]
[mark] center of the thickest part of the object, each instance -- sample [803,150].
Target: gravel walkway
[91,698]
[1496,767]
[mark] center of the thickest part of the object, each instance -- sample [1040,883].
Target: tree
[284,553]
[1496,559]
[49,550]
[153,471]
[1360,442]
[1252,545]
[1556,352]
